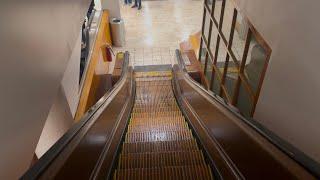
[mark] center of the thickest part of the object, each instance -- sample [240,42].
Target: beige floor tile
[153,34]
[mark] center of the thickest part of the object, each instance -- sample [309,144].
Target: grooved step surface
[151,124]
[158,136]
[160,159]
[156,114]
[161,146]
[158,143]
[201,172]
[160,127]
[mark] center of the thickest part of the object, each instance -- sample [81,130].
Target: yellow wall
[194,40]
[91,83]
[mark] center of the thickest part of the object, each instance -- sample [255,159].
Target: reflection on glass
[255,63]
[209,70]
[213,41]
[217,10]
[231,77]
[221,58]
[227,19]
[203,55]
[216,84]
[223,95]
[207,26]
[244,102]
[239,37]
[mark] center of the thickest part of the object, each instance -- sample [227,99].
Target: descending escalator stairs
[159,144]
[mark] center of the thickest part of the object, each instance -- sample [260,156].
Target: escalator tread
[161,146]
[159,136]
[160,159]
[169,173]
[159,143]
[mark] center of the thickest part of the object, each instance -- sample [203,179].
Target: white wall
[113,6]
[37,38]
[70,80]
[58,122]
[64,107]
[290,97]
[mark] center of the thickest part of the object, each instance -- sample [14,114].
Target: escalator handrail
[298,156]
[44,162]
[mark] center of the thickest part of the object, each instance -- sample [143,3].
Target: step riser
[150,160]
[167,146]
[169,173]
[158,136]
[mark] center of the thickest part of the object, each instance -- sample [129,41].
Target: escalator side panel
[246,151]
[104,133]
[217,158]
[105,166]
[89,147]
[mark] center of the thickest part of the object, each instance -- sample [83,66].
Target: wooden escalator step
[158,136]
[160,146]
[161,159]
[201,172]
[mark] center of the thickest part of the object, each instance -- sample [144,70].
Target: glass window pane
[207,26]
[216,84]
[217,10]
[227,19]
[231,77]
[256,60]
[221,59]
[213,41]
[203,55]
[209,70]
[223,95]
[239,37]
[244,102]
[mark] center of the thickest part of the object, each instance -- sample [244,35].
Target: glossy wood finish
[102,136]
[117,70]
[194,69]
[238,150]
[92,80]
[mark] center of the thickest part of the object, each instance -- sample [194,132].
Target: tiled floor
[154,32]
[151,56]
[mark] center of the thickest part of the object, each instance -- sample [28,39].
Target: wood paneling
[91,83]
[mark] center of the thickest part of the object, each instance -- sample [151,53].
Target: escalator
[158,123]
[159,144]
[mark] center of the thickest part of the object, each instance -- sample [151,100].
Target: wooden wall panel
[91,84]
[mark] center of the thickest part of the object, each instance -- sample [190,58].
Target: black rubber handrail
[44,162]
[298,156]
